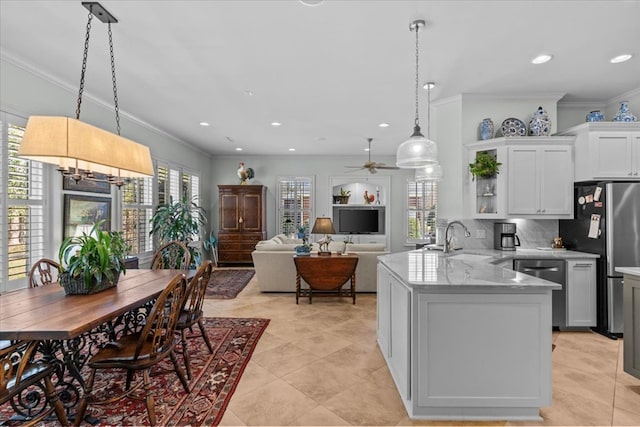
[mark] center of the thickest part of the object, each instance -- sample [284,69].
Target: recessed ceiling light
[238,149]
[541,59]
[429,85]
[276,124]
[204,124]
[248,93]
[383,125]
[292,149]
[620,58]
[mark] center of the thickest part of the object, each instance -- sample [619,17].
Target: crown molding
[30,68]
[557,96]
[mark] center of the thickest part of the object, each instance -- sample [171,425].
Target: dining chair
[140,351]
[192,312]
[43,272]
[19,372]
[174,254]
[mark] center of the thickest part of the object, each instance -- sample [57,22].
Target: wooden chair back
[18,372]
[196,291]
[160,326]
[174,254]
[43,272]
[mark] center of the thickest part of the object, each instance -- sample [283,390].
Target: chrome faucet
[447,239]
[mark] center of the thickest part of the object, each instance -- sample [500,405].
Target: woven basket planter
[76,286]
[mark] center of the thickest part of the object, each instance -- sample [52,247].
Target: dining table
[70,328]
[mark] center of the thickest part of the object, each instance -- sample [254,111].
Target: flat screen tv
[358,220]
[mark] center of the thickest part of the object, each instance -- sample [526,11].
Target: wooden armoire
[243,222]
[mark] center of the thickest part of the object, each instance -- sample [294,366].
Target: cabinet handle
[240,220]
[582,265]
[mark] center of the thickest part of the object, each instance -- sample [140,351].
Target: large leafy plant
[485,166]
[179,221]
[94,257]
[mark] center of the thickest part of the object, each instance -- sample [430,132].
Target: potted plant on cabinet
[92,262]
[485,166]
[179,221]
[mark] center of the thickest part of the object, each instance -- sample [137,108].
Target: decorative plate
[513,127]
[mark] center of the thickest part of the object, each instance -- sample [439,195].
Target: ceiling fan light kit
[417,151]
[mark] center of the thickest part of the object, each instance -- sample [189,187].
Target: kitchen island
[631,313]
[465,339]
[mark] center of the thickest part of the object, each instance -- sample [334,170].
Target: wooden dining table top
[46,312]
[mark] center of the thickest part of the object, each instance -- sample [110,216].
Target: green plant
[485,166]
[95,256]
[344,193]
[179,221]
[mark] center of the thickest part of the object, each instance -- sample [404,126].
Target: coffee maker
[504,236]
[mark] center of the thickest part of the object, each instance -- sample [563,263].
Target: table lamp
[323,226]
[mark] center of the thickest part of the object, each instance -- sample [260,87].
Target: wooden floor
[319,364]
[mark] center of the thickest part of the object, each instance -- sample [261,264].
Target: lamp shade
[323,226]
[429,173]
[63,141]
[417,152]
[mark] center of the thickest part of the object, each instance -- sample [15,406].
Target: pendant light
[80,149]
[431,172]
[417,151]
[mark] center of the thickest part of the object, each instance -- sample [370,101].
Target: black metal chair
[18,372]
[140,351]
[192,312]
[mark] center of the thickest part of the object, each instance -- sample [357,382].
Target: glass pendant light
[417,151]
[431,172]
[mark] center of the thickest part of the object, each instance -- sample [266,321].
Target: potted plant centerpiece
[92,262]
[342,198]
[305,247]
[485,166]
[179,221]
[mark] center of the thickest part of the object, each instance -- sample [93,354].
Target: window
[22,205]
[422,203]
[295,201]
[137,208]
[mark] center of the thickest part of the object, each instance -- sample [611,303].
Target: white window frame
[298,210]
[424,210]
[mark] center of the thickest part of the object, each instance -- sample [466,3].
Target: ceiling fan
[372,167]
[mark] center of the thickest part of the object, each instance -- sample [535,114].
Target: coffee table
[326,275]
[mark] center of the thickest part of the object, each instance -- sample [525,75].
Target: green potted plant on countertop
[179,221]
[92,262]
[485,166]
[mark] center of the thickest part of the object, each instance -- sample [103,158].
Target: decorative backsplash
[532,233]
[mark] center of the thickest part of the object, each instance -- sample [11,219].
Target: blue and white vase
[595,116]
[486,129]
[540,124]
[624,115]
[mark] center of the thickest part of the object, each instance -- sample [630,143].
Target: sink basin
[469,257]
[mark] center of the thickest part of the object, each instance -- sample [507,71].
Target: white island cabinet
[631,314]
[465,339]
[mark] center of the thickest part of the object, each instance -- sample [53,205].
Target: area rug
[227,284]
[215,377]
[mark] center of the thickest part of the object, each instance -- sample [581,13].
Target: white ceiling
[329,73]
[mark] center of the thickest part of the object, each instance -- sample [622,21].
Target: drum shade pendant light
[80,149]
[417,151]
[431,172]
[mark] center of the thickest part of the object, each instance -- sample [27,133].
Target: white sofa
[276,272]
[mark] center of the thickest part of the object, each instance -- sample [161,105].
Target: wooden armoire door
[242,222]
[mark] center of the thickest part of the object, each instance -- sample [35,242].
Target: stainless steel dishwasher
[553,270]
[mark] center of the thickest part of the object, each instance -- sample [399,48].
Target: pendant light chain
[113,79]
[417,122]
[84,65]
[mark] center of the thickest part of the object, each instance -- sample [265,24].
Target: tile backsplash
[532,233]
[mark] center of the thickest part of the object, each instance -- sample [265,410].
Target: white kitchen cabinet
[581,293]
[535,179]
[540,180]
[606,150]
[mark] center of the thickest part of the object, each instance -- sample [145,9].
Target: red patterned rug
[215,377]
[227,284]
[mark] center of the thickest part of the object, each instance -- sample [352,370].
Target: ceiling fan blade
[387,167]
[357,167]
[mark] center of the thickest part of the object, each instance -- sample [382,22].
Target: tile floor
[319,364]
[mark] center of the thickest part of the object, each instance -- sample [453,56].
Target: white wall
[26,92]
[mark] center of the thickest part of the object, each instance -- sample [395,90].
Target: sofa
[276,271]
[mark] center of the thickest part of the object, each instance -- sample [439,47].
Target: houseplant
[343,197]
[92,262]
[179,221]
[485,166]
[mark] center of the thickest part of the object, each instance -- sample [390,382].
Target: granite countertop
[471,268]
[633,271]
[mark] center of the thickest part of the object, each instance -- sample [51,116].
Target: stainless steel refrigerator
[607,222]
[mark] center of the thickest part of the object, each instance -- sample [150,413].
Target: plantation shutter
[295,201]
[421,213]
